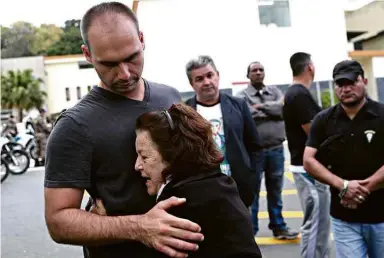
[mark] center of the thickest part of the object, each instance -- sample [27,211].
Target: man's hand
[257,106]
[350,204]
[166,233]
[370,184]
[356,193]
[98,208]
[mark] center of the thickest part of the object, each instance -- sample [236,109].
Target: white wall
[36,63]
[378,66]
[65,73]
[229,31]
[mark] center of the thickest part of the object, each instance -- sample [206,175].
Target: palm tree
[21,90]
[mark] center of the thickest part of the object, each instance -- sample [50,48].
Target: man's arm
[306,128]
[252,140]
[274,108]
[254,109]
[374,182]
[68,224]
[69,155]
[305,111]
[318,171]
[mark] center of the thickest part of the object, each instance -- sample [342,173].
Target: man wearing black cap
[345,150]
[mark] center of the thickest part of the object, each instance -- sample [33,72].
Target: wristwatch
[344,189]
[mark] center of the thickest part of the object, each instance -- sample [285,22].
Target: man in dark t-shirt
[345,150]
[92,148]
[299,109]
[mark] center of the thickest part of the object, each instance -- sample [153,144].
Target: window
[78,91]
[67,94]
[274,12]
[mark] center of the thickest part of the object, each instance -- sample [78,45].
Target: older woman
[178,157]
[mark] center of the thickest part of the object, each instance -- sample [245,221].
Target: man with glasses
[345,150]
[265,103]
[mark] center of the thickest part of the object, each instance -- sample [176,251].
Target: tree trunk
[20,114]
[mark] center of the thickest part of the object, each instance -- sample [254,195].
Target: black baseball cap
[347,69]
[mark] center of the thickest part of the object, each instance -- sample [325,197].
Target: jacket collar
[251,90]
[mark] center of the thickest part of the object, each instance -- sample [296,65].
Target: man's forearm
[78,227]
[319,172]
[273,108]
[377,179]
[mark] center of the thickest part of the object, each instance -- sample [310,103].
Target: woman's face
[149,162]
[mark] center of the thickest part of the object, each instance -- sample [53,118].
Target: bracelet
[344,189]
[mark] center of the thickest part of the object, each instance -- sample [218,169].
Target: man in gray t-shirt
[92,148]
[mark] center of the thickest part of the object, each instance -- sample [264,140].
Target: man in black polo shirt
[346,151]
[298,111]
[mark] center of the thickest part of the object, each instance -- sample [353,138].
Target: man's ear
[365,80]
[141,37]
[86,52]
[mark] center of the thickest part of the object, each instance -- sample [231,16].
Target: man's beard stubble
[115,88]
[355,103]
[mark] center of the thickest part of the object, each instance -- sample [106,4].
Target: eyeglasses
[169,118]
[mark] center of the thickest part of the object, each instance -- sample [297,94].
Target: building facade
[234,33]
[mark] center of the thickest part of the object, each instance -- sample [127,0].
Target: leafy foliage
[21,90]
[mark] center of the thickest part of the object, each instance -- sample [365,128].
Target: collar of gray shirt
[251,90]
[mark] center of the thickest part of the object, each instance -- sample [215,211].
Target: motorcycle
[14,156]
[4,166]
[27,141]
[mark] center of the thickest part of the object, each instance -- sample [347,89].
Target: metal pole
[331,93]
[318,91]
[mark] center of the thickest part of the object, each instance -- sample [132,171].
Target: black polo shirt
[352,150]
[299,109]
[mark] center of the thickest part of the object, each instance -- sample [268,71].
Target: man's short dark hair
[298,62]
[249,66]
[197,63]
[102,8]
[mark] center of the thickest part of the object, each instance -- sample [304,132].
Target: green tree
[46,36]
[326,98]
[16,39]
[70,42]
[21,90]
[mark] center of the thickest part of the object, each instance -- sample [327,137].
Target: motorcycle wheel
[23,160]
[4,170]
[33,153]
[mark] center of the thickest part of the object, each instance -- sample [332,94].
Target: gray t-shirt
[92,147]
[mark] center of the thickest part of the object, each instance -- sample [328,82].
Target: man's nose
[207,81]
[137,164]
[123,71]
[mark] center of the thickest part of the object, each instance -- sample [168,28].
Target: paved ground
[23,231]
